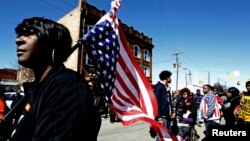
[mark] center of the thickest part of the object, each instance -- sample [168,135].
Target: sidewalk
[118,132]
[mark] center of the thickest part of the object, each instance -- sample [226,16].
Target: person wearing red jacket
[3,106]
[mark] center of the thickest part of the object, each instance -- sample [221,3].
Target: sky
[211,36]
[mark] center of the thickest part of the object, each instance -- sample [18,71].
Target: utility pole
[185,76]
[208,78]
[189,74]
[177,65]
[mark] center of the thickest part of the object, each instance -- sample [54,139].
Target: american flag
[121,78]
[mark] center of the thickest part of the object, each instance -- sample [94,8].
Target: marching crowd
[185,109]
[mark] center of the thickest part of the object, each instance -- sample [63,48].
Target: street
[136,132]
[118,132]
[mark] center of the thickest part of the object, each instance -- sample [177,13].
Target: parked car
[8,96]
[11,87]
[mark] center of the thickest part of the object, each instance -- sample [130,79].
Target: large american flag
[123,82]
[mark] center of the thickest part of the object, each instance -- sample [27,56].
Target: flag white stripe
[127,106]
[126,80]
[144,91]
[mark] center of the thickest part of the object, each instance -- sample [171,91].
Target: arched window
[146,71]
[146,55]
[137,51]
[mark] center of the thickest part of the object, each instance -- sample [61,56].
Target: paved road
[118,132]
[135,132]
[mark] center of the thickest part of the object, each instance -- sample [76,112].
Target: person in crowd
[219,100]
[15,98]
[218,96]
[98,104]
[113,116]
[105,108]
[215,91]
[243,111]
[198,98]
[233,100]
[209,108]
[186,113]
[3,105]
[59,103]
[166,111]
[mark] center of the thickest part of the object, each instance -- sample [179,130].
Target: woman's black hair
[51,35]
[234,91]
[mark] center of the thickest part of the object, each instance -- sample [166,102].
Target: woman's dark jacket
[228,110]
[60,108]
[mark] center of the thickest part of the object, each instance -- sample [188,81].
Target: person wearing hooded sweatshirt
[233,100]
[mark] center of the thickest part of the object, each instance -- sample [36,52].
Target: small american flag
[123,82]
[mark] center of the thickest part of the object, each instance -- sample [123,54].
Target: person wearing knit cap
[233,100]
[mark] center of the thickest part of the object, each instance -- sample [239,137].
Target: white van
[11,87]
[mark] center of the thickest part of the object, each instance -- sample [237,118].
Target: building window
[136,51]
[146,56]
[87,60]
[146,71]
[89,27]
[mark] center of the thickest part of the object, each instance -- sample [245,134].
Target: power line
[35,3]
[160,62]
[65,2]
[185,76]
[5,21]
[52,5]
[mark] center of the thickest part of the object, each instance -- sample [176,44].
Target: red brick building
[8,74]
[81,19]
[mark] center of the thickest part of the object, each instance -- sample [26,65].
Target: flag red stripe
[127,90]
[129,112]
[145,81]
[148,87]
[131,82]
[119,96]
[133,98]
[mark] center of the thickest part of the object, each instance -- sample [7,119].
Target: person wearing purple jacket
[186,113]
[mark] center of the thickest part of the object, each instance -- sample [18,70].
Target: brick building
[8,74]
[82,18]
